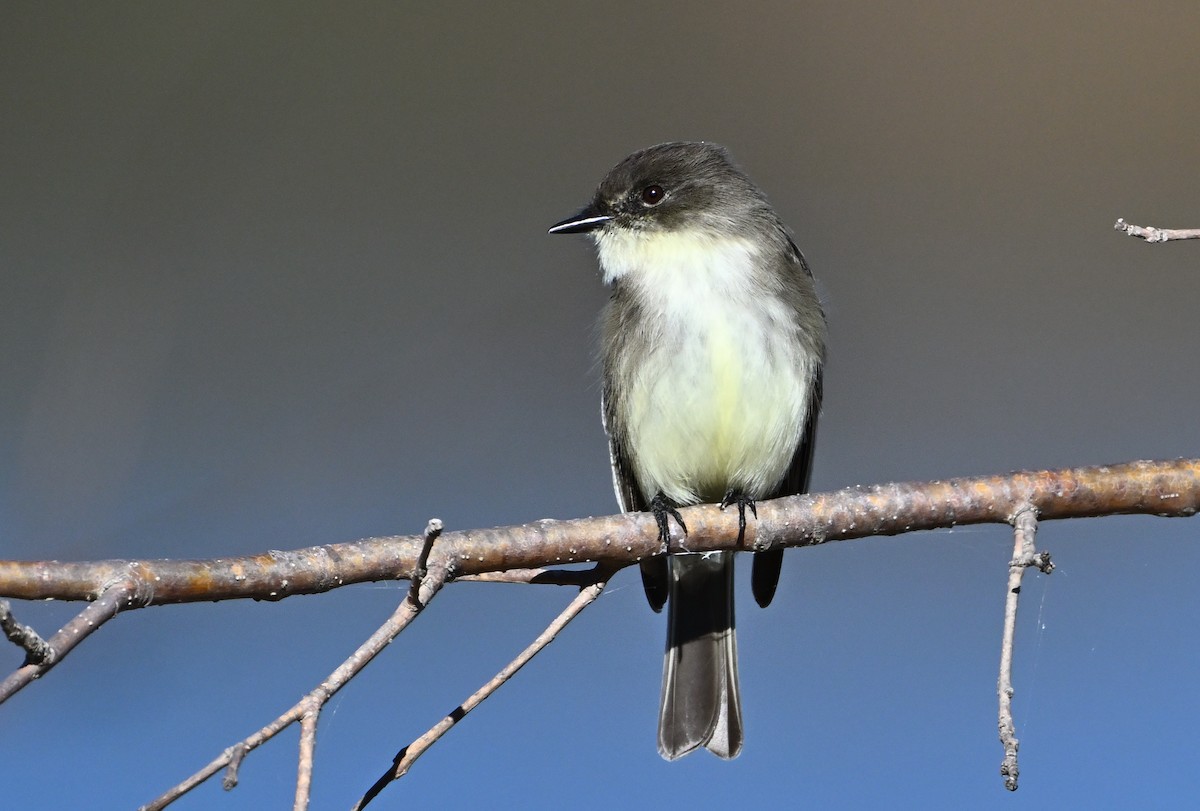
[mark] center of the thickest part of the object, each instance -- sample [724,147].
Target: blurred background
[277,274]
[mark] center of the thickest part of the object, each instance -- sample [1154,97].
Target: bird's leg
[743,501]
[664,511]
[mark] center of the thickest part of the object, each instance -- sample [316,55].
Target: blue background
[276,274]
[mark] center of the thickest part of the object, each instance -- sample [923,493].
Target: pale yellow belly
[725,410]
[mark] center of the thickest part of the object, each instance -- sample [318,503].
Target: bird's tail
[701,703]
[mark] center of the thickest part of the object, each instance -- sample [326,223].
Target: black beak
[587,220]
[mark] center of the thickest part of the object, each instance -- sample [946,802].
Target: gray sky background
[276,274]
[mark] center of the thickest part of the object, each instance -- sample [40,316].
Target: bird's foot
[743,501]
[664,511]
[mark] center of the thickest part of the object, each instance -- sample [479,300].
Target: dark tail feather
[655,581]
[701,704]
[764,575]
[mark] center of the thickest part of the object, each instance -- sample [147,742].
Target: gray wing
[655,579]
[764,573]
[764,577]
[629,498]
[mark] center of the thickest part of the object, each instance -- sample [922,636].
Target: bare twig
[236,753]
[111,600]
[231,758]
[37,650]
[547,577]
[408,755]
[1152,234]
[1025,554]
[308,745]
[432,530]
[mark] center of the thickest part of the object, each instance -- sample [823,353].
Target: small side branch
[1152,234]
[37,650]
[540,577]
[432,530]
[1025,554]
[307,710]
[51,652]
[308,745]
[408,755]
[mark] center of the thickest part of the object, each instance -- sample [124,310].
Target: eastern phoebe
[712,348]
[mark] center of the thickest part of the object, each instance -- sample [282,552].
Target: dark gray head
[677,186]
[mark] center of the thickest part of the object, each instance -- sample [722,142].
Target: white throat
[660,257]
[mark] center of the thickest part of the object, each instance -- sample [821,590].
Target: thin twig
[1152,234]
[236,753]
[432,530]
[308,745]
[232,757]
[37,650]
[111,600]
[408,755]
[1025,554]
[544,577]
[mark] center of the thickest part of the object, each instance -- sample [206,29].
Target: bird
[712,348]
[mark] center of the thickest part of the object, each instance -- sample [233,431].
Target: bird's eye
[653,195]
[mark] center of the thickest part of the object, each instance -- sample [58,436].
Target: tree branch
[111,600]
[308,746]
[548,577]
[1152,234]
[1167,488]
[408,755]
[37,650]
[1025,524]
[308,708]
[516,554]
[432,530]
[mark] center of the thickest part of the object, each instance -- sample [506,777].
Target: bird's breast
[710,380]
